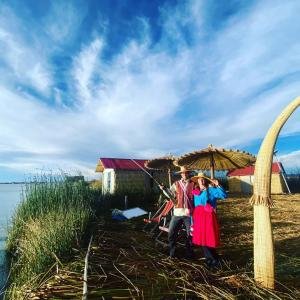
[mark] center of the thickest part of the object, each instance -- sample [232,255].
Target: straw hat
[201,175]
[183,170]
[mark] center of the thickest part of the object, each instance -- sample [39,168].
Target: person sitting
[205,224]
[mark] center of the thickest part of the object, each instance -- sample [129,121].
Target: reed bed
[51,220]
[126,264]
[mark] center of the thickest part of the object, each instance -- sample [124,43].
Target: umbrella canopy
[163,163]
[212,158]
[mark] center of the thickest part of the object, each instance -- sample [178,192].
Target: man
[183,209]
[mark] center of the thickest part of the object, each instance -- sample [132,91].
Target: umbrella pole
[170,178]
[212,166]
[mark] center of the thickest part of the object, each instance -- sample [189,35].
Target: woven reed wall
[162,177]
[137,181]
[234,184]
[131,181]
[277,184]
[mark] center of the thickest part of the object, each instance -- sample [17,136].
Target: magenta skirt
[206,230]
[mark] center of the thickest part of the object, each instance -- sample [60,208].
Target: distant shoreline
[21,182]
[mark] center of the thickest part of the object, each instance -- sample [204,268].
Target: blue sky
[114,78]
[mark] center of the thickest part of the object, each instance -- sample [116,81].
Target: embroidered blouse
[210,196]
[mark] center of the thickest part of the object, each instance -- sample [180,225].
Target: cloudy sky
[84,79]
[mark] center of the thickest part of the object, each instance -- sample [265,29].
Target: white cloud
[291,161]
[23,60]
[85,65]
[223,87]
[35,137]
[243,74]
[63,20]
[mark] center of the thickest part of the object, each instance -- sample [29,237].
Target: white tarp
[133,212]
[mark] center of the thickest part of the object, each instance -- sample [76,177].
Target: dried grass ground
[126,264]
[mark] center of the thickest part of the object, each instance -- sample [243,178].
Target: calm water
[9,199]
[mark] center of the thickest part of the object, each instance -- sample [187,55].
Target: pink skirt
[206,230]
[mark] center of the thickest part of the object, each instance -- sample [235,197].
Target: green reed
[50,221]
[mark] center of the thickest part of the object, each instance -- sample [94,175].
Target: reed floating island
[124,263]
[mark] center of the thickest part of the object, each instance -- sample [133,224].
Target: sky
[86,79]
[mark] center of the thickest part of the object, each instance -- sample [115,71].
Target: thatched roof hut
[121,175]
[241,180]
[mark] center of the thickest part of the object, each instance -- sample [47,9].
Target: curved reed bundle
[263,237]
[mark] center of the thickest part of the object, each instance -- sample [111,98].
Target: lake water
[10,196]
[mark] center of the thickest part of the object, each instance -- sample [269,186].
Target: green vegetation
[96,185]
[51,220]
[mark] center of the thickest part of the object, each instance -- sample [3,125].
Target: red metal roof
[250,170]
[122,163]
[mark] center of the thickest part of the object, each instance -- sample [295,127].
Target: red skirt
[206,230]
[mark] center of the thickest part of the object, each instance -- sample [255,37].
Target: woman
[205,224]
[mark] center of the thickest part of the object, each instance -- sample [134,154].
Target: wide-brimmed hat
[183,170]
[201,175]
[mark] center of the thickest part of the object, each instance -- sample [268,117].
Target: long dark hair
[206,182]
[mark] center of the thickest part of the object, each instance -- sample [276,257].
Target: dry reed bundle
[125,264]
[263,237]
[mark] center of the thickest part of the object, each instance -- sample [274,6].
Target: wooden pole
[170,177]
[212,166]
[85,274]
[281,172]
[126,202]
